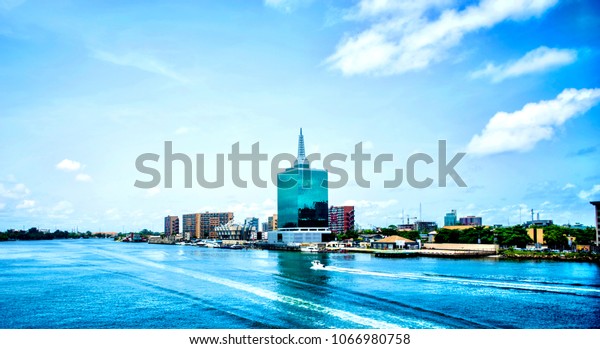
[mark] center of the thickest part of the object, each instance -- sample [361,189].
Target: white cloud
[26,204]
[141,62]
[63,209]
[568,186]
[287,5]
[244,210]
[152,192]
[82,177]
[68,165]
[586,194]
[182,130]
[18,191]
[402,38]
[112,214]
[538,60]
[523,129]
[371,204]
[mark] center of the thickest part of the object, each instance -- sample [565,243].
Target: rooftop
[394,238]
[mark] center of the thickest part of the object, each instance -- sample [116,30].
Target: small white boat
[316,264]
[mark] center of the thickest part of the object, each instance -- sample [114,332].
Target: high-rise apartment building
[191,226]
[210,220]
[272,222]
[171,225]
[341,219]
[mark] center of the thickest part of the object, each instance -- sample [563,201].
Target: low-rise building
[394,242]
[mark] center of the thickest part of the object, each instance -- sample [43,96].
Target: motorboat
[316,264]
[233,247]
[211,244]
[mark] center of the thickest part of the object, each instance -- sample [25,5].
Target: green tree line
[554,236]
[36,234]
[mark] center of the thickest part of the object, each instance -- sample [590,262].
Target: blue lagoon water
[106,284]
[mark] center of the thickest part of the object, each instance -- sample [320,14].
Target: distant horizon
[88,88]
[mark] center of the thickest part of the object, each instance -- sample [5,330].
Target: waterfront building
[210,220]
[235,231]
[470,220]
[394,242]
[264,227]
[341,219]
[272,222]
[171,226]
[191,226]
[597,209]
[450,218]
[302,203]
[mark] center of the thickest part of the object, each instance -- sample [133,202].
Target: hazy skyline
[87,87]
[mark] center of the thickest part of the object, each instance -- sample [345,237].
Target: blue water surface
[104,284]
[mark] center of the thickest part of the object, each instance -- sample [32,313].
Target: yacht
[212,244]
[310,248]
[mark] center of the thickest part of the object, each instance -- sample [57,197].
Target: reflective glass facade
[302,198]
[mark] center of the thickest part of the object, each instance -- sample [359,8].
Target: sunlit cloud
[68,165]
[82,177]
[402,38]
[539,60]
[587,194]
[523,129]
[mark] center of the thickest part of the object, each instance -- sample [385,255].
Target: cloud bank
[523,129]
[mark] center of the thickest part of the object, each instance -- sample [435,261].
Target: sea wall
[462,247]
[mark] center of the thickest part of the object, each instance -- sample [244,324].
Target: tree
[388,231]
[556,236]
[513,236]
[410,234]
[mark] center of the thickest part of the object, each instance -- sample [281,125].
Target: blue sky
[88,86]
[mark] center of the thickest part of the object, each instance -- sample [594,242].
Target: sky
[86,87]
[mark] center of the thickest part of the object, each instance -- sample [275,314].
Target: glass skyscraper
[302,201]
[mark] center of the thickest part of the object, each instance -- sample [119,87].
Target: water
[105,284]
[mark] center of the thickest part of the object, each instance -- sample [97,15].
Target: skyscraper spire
[301,159]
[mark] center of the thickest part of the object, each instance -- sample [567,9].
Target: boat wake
[346,316]
[590,291]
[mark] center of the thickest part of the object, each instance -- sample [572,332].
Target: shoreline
[431,253]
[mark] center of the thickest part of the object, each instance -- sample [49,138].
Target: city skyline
[89,88]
